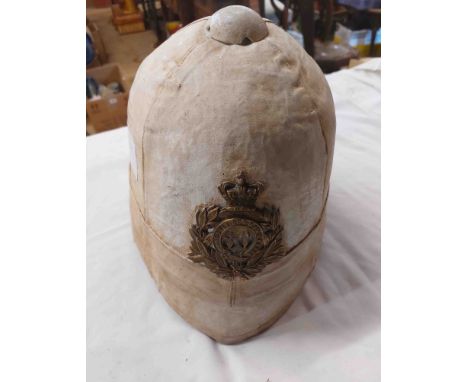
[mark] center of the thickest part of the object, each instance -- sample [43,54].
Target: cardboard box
[108,113]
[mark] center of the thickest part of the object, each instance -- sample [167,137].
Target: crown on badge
[239,192]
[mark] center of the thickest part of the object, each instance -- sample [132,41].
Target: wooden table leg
[261,7]
[306,14]
[185,11]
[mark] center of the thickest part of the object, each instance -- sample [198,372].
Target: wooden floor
[126,50]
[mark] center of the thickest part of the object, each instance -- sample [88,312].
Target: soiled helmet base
[232,131]
[229,311]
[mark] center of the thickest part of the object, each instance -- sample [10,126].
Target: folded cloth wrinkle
[330,333]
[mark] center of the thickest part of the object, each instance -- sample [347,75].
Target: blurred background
[121,33]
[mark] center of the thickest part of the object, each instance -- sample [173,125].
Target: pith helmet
[232,128]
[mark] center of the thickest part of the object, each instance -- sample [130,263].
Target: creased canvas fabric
[332,330]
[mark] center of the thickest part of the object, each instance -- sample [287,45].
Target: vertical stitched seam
[145,127]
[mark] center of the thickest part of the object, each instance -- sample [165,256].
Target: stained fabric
[332,330]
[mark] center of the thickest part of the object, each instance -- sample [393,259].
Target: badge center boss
[232,129]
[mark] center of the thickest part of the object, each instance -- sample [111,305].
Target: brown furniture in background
[126,17]
[190,10]
[315,17]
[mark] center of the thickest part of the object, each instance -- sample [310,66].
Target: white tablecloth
[330,333]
